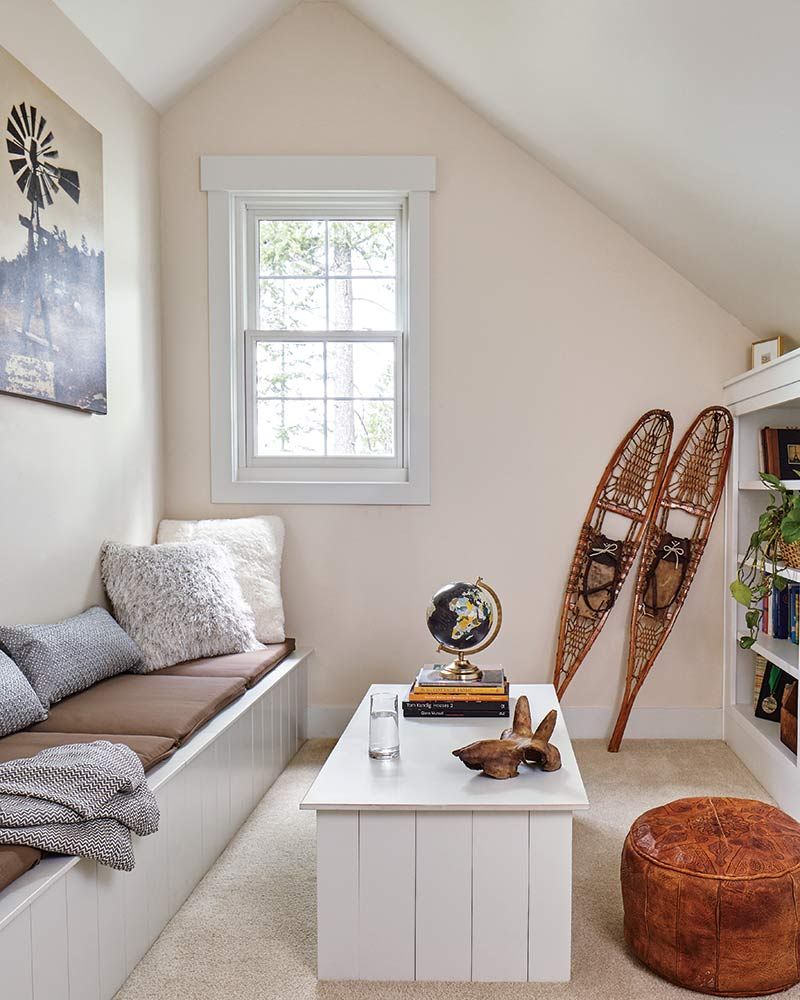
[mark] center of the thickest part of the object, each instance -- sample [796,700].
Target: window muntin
[325,351]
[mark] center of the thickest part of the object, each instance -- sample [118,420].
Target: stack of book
[433,696]
[780,613]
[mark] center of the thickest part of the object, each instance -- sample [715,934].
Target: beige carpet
[247,932]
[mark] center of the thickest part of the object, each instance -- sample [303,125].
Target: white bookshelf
[765,397]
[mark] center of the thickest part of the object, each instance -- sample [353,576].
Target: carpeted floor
[247,932]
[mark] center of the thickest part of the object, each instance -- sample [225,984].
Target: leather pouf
[711,891]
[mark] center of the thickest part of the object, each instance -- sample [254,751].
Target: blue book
[780,619]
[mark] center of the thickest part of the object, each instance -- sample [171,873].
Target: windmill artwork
[52,265]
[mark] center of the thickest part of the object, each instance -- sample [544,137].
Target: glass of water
[384,726]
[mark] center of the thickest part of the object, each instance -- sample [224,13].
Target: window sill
[321,493]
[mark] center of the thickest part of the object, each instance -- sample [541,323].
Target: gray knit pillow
[19,705]
[72,655]
[178,601]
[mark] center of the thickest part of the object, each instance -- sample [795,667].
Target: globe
[460,615]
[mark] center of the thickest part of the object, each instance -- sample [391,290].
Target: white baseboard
[586,723]
[583,722]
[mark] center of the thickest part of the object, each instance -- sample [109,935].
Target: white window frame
[238,186]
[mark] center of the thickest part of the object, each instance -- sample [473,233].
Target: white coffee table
[427,870]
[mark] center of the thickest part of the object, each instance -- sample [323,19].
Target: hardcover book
[431,676]
[467,695]
[413,710]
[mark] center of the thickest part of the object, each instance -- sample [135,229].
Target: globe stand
[461,669]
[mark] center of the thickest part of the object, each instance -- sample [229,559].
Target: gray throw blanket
[82,798]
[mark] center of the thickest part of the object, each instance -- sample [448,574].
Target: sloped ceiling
[678,118]
[163,47]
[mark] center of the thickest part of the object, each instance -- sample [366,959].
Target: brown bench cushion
[144,705]
[15,861]
[250,666]
[150,749]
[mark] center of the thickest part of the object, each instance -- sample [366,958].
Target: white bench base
[71,929]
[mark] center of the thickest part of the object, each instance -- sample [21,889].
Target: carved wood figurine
[501,758]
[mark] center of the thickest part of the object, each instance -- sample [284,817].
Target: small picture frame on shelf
[770,696]
[764,351]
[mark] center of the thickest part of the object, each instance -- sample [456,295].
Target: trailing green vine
[760,568]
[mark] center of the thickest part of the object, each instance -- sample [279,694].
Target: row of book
[433,696]
[780,613]
[779,451]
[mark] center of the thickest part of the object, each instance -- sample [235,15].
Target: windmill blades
[70,183]
[19,129]
[49,182]
[32,158]
[35,189]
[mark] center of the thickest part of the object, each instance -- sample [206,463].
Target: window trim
[234,181]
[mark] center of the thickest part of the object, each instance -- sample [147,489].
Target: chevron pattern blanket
[83,799]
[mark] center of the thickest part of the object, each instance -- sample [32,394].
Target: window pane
[362,247]
[360,427]
[292,248]
[362,304]
[290,427]
[292,304]
[360,369]
[290,370]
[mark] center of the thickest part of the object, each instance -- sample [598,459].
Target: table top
[427,775]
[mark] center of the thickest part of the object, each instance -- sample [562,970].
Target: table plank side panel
[444,896]
[386,895]
[500,854]
[550,896]
[337,895]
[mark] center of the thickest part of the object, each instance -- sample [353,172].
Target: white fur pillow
[255,545]
[177,602]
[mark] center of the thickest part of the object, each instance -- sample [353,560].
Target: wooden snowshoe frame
[694,483]
[628,487]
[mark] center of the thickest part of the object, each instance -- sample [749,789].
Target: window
[318,303]
[325,350]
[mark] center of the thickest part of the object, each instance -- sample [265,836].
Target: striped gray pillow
[72,655]
[19,705]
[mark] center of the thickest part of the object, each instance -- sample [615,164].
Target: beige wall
[552,330]
[71,480]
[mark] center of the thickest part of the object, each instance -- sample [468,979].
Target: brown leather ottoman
[711,891]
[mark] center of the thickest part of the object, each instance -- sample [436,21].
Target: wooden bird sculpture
[501,758]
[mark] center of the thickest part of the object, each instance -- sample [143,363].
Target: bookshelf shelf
[764,397]
[781,652]
[785,571]
[756,484]
[768,733]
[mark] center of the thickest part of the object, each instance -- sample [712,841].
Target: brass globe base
[461,670]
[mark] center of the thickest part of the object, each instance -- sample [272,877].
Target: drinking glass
[384,726]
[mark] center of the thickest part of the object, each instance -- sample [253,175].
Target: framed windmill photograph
[52,265]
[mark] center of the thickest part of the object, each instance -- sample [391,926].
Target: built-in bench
[73,930]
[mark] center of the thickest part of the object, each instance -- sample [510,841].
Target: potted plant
[773,546]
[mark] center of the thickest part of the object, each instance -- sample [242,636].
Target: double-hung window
[318,311]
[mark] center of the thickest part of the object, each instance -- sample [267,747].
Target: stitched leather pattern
[727,838]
